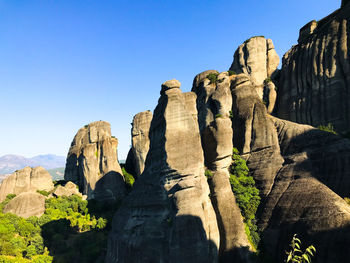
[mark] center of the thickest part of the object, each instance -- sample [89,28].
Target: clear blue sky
[66,63]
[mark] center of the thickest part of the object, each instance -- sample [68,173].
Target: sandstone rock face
[26,180]
[140,140]
[315,75]
[26,205]
[168,217]
[214,104]
[67,190]
[92,163]
[257,58]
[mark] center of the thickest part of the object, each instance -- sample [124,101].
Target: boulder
[26,205]
[26,180]
[69,189]
[92,163]
[168,217]
[315,76]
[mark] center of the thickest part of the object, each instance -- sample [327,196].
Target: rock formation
[140,142]
[257,58]
[26,205]
[315,76]
[214,104]
[68,190]
[168,217]
[26,180]
[92,163]
[301,189]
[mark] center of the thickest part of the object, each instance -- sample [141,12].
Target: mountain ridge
[11,162]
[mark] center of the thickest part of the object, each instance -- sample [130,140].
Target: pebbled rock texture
[26,180]
[92,163]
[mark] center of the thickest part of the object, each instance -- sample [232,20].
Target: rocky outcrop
[214,104]
[294,167]
[92,163]
[306,195]
[26,205]
[26,180]
[257,58]
[67,190]
[315,76]
[140,141]
[168,217]
[254,134]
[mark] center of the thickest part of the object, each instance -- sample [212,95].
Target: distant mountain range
[10,163]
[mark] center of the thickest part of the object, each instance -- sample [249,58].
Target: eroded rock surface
[26,180]
[26,205]
[168,217]
[140,141]
[214,104]
[92,163]
[301,173]
[315,77]
[67,190]
[257,58]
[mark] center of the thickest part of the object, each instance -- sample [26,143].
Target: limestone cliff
[92,163]
[315,76]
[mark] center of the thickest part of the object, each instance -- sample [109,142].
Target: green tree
[247,195]
[296,254]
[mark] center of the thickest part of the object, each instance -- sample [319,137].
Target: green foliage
[96,154]
[213,77]
[247,195]
[347,200]
[296,254]
[327,128]
[129,179]
[218,115]
[208,174]
[231,72]
[267,80]
[8,198]
[231,114]
[43,192]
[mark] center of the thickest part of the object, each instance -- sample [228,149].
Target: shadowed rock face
[26,180]
[286,160]
[140,141]
[315,76]
[26,205]
[92,163]
[168,217]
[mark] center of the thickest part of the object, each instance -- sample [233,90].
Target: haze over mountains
[10,162]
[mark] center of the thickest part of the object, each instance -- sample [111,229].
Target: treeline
[70,230]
